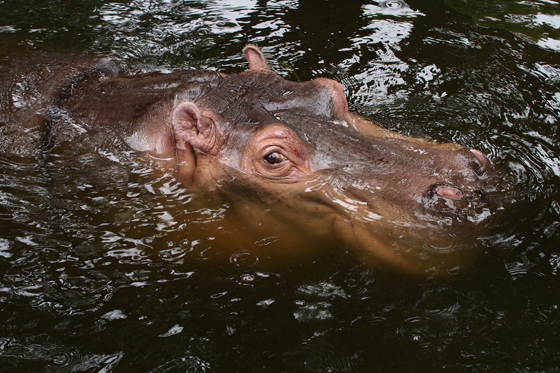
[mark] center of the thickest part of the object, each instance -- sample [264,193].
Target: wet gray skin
[286,155]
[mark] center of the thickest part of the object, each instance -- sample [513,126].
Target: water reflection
[186,364]
[53,358]
[537,21]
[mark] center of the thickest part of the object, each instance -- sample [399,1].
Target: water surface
[108,264]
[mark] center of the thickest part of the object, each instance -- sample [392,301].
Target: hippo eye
[275,158]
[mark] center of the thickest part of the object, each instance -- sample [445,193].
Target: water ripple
[188,363]
[54,358]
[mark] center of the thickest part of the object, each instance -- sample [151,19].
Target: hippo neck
[131,105]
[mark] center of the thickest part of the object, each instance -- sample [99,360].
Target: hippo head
[296,149]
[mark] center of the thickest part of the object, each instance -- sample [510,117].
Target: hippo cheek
[405,236]
[363,224]
[411,248]
[368,240]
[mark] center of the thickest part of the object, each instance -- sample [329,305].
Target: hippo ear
[193,127]
[256,59]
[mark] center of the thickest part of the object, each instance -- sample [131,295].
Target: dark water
[108,265]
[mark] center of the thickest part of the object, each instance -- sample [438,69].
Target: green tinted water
[108,265]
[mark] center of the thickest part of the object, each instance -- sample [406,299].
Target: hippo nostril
[448,192]
[480,167]
[481,158]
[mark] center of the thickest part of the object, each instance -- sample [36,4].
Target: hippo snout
[468,197]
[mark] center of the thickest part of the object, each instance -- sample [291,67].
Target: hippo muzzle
[396,177]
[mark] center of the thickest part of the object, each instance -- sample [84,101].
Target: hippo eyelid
[277,152]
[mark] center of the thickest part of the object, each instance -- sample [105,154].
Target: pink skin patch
[450,193]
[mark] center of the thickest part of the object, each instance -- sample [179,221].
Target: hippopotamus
[289,154]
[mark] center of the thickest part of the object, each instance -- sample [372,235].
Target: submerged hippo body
[294,148]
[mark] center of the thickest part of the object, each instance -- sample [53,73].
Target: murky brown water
[108,264]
